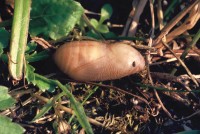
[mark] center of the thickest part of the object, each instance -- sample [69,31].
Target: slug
[96,61]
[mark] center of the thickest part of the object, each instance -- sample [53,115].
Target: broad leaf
[37,56]
[99,27]
[106,12]
[54,18]
[8,127]
[42,82]
[6,100]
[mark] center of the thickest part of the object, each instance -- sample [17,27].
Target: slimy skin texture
[96,61]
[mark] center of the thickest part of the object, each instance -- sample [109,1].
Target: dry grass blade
[70,111]
[172,23]
[189,23]
[160,15]
[183,64]
[134,17]
[130,17]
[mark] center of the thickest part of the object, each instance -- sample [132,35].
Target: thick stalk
[19,37]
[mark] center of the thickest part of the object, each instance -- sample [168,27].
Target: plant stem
[19,37]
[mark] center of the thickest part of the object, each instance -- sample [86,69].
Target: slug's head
[130,60]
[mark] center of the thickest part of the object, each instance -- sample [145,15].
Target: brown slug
[96,61]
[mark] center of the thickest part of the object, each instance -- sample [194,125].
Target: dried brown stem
[172,23]
[134,17]
[183,64]
[70,111]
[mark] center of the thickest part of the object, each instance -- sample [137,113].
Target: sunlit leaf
[106,12]
[54,18]
[99,27]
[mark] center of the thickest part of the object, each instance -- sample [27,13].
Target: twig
[70,111]
[119,90]
[130,18]
[135,19]
[172,23]
[183,64]
[192,44]
[149,75]
[160,15]
[189,23]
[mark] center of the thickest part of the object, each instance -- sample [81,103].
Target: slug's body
[95,61]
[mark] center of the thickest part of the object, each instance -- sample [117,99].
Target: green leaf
[44,110]
[190,132]
[106,12]
[37,56]
[6,100]
[99,27]
[30,75]
[110,35]
[4,39]
[42,82]
[102,28]
[94,23]
[31,46]
[8,127]
[4,57]
[54,18]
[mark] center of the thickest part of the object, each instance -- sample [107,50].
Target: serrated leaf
[54,18]
[106,12]
[44,84]
[44,110]
[6,100]
[40,81]
[8,127]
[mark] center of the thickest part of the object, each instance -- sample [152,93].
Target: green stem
[19,37]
